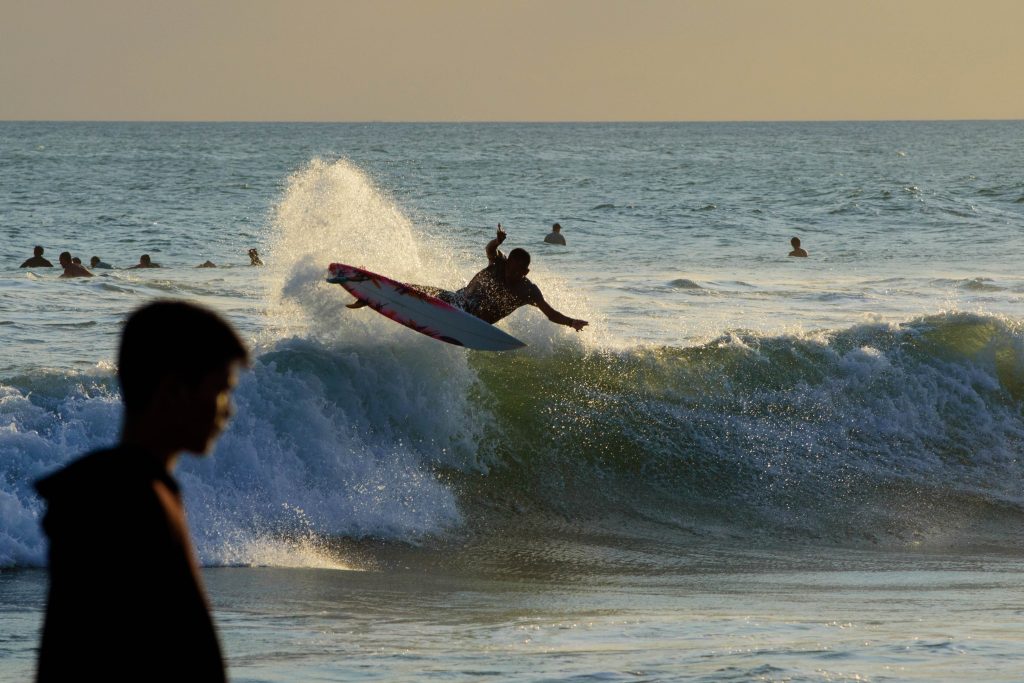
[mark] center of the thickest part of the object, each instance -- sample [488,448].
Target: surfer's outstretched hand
[501,234]
[578,325]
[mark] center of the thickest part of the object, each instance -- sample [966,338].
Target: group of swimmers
[73,267]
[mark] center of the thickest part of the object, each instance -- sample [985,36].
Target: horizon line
[512,121]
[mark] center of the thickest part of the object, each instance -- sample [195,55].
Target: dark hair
[795,241]
[521,255]
[556,227]
[38,251]
[145,258]
[172,339]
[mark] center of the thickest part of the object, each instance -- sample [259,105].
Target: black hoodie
[125,599]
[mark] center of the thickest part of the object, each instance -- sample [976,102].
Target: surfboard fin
[358,303]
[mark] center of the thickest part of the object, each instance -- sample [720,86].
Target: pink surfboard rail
[420,311]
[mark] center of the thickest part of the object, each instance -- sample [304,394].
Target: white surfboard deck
[420,311]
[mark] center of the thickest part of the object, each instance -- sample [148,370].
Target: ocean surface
[748,467]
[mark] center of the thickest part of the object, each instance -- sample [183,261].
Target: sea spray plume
[332,211]
[345,416]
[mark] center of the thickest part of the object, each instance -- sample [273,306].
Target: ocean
[748,467]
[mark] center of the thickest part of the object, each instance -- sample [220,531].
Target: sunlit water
[748,467]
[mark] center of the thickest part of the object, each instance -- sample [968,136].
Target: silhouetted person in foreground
[555,236]
[72,269]
[95,262]
[797,251]
[145,262]
[254,258]
[126,601]
[37,260]
[499,289]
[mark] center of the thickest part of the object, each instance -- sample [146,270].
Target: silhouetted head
[38,251]
[180,360]
[145,260]
[94,260]
[556,228]
[795,242]
[518,265]
[77,261]
[65,258]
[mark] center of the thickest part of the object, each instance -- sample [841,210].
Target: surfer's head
[518,265]
[38,251]
[177,366]
[795,242]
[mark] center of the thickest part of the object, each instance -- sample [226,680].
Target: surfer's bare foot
[358,303]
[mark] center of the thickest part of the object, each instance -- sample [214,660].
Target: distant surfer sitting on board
[499,289]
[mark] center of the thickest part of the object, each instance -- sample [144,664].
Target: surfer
[37,260]
[499,289]
[797,250]
[97,262]
[555,236]
[144,262]
[72,269]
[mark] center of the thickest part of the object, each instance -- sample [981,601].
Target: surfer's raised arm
[556,317]
[492,246]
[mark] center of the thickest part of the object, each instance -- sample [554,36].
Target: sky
[511,60]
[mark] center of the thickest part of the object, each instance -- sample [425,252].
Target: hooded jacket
[125,598]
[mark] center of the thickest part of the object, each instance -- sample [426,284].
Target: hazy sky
[511,60]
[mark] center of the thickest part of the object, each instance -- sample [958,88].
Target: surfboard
[420,311]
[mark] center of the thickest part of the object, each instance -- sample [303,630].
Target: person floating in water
[37,260]
[797,250]
[72,269]
[499,289]
[254,258]
[555,236]
[126,600]
[145,262]
[96,262]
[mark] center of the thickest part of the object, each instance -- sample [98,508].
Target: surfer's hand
[578,325]
[501,234]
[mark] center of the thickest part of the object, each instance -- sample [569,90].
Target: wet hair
[172,339]
[520,255]
[63,255]
[145,259]
[76,261]
[556,227]
[38,251]
[94,260]
[795,242]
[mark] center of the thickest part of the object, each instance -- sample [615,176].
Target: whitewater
[748,466]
